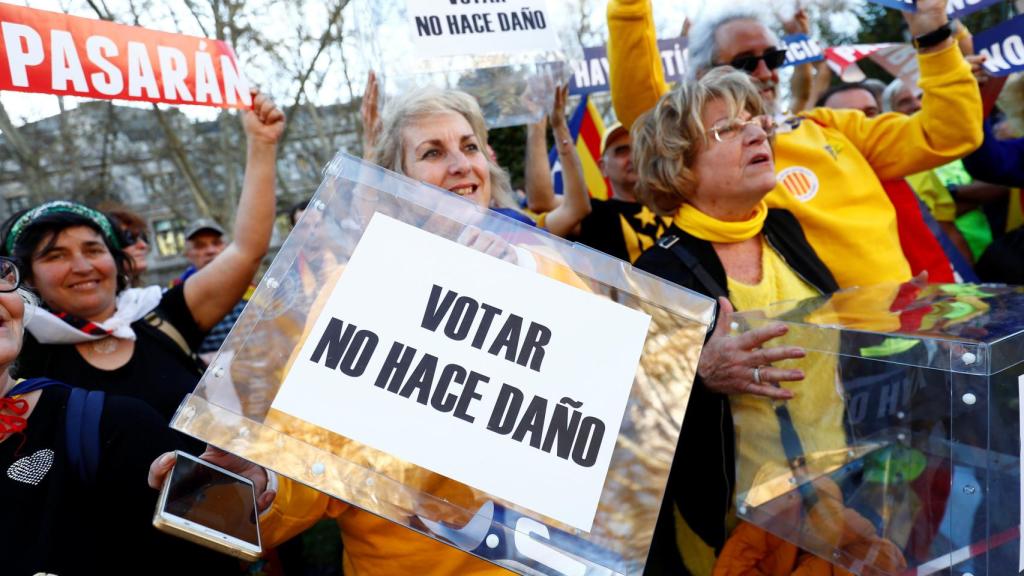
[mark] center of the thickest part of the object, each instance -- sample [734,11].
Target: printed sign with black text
[446,357]
[455,27]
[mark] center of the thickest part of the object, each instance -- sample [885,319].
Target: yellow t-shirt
[817,408]
[930,189]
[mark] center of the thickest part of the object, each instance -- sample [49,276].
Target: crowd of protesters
[713,186]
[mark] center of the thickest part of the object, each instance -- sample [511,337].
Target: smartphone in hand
[210,506]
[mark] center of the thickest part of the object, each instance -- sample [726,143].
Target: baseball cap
[610,133]
[201,225]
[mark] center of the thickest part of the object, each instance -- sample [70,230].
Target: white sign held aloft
[461,27]
[489,373]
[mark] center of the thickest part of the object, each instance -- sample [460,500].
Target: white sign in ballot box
[900,452]
[462,374]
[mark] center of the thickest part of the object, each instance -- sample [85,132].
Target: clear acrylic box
[232,406]
[901,451]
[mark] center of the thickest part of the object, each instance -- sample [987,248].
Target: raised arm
[635,73]
[540,190]
[214,290]
[801,85]
[947,127]
[370,114]
[565,219]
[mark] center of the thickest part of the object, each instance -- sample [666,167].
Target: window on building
[169,237]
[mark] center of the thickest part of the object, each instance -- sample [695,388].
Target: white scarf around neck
[132,304]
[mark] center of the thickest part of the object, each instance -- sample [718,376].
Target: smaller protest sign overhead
[509,26]
[509,55]
[53,53]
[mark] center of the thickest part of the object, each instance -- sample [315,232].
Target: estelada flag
[54,53]
[586,128]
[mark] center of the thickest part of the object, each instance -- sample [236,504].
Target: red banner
[843,59]
[55,53]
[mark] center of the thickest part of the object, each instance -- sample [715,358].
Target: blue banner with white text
[801,49]
[1003,47]
[590,75]
[960,8]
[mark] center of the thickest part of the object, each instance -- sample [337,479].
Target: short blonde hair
[403,110]
[667,138]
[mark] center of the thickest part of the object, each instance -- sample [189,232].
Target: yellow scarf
[709,228]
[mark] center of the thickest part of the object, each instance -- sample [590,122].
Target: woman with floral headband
[93,331]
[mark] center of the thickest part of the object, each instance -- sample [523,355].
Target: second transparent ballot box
[462,374]
[900,452]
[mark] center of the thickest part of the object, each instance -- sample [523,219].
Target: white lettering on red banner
[52,53]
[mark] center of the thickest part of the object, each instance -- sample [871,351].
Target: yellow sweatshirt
[373,546]
[831,167]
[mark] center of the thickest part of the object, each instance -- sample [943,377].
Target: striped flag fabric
[586,128]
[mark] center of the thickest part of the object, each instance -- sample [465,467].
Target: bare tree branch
[38,185]
[180,156]
[325,41]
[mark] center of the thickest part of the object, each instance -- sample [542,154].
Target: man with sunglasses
[830,163]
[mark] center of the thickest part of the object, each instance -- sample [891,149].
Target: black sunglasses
[773,58]
[133,237]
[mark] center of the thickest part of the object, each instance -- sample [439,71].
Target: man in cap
[204,240]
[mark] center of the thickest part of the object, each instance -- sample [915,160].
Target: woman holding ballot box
[93,330]
[75,496]
[439,138]
[704,155]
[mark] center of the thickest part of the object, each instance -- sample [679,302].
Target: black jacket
[704,470]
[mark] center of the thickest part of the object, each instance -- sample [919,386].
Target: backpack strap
[81,424]
[168,329]
[33,384]
[173,338]
[671,243]
[82,432]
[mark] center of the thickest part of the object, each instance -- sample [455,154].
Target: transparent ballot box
[538,437]
[900,452]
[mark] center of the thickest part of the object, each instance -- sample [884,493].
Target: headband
[56,207]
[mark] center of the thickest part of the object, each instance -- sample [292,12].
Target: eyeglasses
[728,131]
[10,278]
[773,58]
